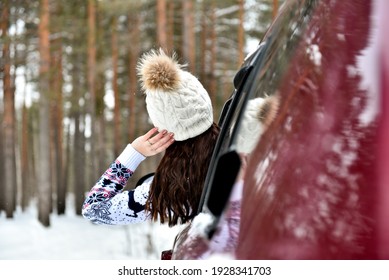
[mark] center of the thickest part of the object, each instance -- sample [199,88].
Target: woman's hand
[153,142]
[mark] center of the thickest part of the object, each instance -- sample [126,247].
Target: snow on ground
[71,237]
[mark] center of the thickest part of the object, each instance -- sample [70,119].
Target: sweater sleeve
[107,203]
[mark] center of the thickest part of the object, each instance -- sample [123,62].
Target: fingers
[151,143]
[156,138]
[162,141]
[150,133]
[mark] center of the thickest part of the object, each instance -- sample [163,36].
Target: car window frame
[229,108]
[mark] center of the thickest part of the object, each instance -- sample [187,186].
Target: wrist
[130,157]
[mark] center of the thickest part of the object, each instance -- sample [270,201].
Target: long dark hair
[178,181]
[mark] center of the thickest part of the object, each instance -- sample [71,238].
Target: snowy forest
[69,95]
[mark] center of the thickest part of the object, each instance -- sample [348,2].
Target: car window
[239,133]
[256,112]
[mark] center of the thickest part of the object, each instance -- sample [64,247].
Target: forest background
[69,96]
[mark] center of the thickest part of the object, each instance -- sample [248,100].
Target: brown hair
[178,181]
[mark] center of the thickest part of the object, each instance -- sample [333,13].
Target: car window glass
[261,105]
[268,67]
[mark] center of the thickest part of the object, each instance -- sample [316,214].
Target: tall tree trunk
[170,26]
[115,88]
[212,55]
[189,53]
[57,126]
[24,155]
[203,44]
[101,141]
[56,106]
[79,139]
[15,129]
[275,8]
[134,24]
[78,161]
[26,148]
[241,33]
[2,167]
[91,105]
[67,159]
[100,125]
[4,28]
[44,187]
[8,125]
[161,24]
[33,125]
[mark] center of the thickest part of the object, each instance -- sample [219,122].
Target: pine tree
[44,181]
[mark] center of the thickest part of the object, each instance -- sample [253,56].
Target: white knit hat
[258,115]
[175,99]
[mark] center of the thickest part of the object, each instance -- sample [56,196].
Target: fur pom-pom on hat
[175,99]
[158,71]
[259,114]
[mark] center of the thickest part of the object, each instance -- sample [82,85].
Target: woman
[181,111]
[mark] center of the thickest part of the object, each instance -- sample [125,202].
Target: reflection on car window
[262,103]
[258,115]
[255,105]
[257,92]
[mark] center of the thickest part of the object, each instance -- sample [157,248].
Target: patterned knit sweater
[107,203]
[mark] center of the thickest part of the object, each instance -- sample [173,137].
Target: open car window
[255,103]
[258,109]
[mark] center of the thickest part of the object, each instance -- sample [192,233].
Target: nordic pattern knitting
[107,203]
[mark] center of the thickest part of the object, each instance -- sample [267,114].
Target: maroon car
[301,168]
